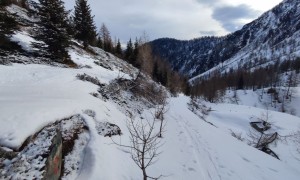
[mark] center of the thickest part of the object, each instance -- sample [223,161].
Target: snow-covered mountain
[275,35]
[40,101]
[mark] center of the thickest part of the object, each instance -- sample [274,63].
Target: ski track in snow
[194,143]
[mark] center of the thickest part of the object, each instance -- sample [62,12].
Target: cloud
[210,3]
[208,33]
[233,17]
[159,18]
[178,19]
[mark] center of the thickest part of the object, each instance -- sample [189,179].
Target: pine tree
[52,30]
[8,24]
[118,49]
[129,51]
[135,52]
[84,23]
[5,3]
[155,73]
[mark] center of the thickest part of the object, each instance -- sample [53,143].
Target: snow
[74,159]
[24,40]
[20,12]
[205,152]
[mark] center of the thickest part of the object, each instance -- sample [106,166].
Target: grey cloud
[230,16]
[208,33]
[131,18]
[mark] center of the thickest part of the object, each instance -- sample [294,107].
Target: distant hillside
[273,36]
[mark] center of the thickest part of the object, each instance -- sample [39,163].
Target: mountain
[273,36]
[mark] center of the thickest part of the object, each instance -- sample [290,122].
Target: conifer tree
[129,51]
[118,49]
[5,3]
[85,29]
[52,30]
[135,52]
[8,24]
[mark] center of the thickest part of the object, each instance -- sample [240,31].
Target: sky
[179,19]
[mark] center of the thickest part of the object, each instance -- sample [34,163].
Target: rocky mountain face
[273,36]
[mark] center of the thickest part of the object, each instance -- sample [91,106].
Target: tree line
[140,55]
[214,86]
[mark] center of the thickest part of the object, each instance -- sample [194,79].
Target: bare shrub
[94,80]
[148,90]
[144,144]
[160,111]
[237,135]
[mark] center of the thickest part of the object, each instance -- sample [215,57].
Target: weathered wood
[264,126]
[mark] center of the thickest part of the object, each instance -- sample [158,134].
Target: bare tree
[291,82]
[144,144]
[105,37]
[144,56]
[297,140]
[160,111]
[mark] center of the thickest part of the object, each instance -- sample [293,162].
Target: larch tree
[104,35]
[52,30]
[144,58]
[85,29]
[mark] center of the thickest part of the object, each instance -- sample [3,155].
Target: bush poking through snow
[259,137]
[94,80]
[90,113]
[106,66]
[237,135]
[108,129]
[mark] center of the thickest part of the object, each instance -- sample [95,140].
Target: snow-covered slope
[31,96]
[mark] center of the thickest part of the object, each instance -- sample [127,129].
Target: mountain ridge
[262,39]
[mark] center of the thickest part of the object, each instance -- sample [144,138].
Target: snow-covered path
[205,152]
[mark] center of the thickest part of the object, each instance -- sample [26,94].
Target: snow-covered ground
[32,96]
[261,99]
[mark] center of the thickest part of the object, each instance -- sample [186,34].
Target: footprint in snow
[191,169]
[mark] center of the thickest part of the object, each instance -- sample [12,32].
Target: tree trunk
[160,129]
[144,174]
